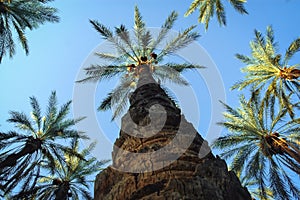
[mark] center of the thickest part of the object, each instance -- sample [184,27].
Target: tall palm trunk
[161,155]
[30,147]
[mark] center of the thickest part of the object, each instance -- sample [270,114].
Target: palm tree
[41,138]
[17,15]
[252,185]
[136,57]
[263,145]
[265,69]
[69,180]
[208,8]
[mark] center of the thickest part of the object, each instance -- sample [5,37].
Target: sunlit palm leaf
[207,9]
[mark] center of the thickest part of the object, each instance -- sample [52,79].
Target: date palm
[266,68]
[70,178]
[252,185]
[40,138]
[138,56]
[17,16]
[208,8]
[263,145]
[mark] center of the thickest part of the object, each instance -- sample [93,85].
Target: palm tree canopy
[261,141]
[136,50]
[40,137]
[70,177]
[267,69]
[208,8]
[17,15]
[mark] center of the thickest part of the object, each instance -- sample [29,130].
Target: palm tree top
[133,51]
[264,145]
[39,137]
[208,8]
[267,68]
[71,177]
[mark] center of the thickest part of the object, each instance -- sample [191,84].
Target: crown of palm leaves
[266,69]
[40,138]
[136,50]
[71,174]
[263,144]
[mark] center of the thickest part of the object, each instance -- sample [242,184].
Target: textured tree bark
[159,155]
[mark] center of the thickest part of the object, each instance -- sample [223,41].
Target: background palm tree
[70,178]
[266,69]
[253,187]
[207,9]
[134,53]
[41,138]
[262,145]
[18,15]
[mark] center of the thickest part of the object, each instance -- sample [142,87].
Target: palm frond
[292,49]
[182,40]
[106,103]
[193,7]
[238,5]
[164,30]
[98,72]
[21,120]
[100,28]
[167,73]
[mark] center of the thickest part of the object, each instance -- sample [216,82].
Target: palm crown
[19,15]
[40,139]
[260,142]
[267,69]
[69,178]
[208,8]
[132,54]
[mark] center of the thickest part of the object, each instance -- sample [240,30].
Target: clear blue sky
[57,51]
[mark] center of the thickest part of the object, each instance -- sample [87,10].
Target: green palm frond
[182,40]
[165,73]
[165,28]
[106,103]
[207,9]
[18,15]
[292,49]
[182,67]
[239,5]
[139,26]
[99,73]
[103,30]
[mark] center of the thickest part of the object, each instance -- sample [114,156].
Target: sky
[59,51]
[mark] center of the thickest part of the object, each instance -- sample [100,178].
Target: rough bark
[157,161]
